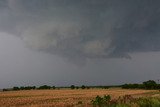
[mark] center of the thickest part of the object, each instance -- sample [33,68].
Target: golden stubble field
[63,97]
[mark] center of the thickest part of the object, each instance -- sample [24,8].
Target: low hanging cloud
[84,29]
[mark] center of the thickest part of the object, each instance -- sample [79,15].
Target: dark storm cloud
[84,28]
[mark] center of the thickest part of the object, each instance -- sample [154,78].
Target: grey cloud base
[81,29]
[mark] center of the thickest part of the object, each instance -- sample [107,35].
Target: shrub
[150,84]
[148,102]
[101,101]
[44,87]
[125,101]
[105,87]
[83,87]
[53,87]
[16,88]
[72,87]
[5,89]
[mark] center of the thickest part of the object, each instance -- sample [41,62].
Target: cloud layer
[84,29]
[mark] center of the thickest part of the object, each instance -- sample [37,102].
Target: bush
[101,101]
[150,84]
[125,101]
[148,102]
[131,86]
[28,88]
[83,87]
[16,88]
[5,89]
[53,87]
[105,87]
[72,87]
[44,87]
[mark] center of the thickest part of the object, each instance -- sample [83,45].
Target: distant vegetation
[53,87]
[45,87]
[72,87]
[151,84]
[30,88]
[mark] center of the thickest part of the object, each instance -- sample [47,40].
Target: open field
[64,97]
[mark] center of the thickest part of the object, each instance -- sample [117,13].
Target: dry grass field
[63,97]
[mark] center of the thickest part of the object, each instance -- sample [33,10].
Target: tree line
[15,88]
[150,84]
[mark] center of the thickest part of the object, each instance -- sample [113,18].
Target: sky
[80,42]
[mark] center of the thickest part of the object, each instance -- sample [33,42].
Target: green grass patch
[126,101]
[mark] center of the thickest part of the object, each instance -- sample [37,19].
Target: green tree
[16,88]
[83,86]
[53,87]
[72,87]
[44,87]
[151,84]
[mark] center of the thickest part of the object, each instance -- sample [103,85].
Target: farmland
[65,97]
